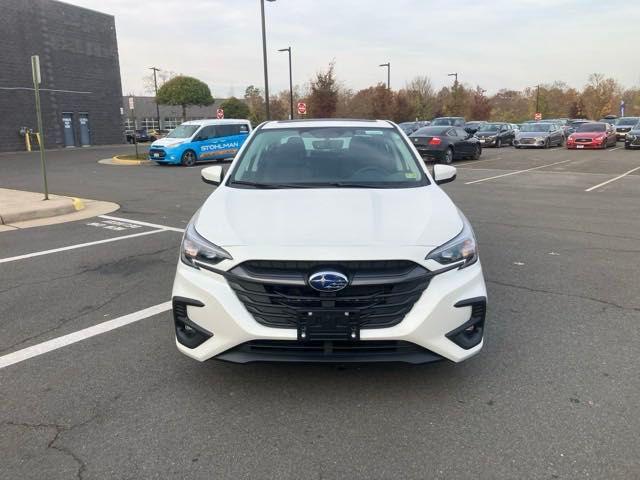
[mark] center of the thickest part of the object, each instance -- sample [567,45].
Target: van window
[207,132]
[228,130]
[244,128]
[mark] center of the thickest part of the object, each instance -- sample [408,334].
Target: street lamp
[454,75]
[264,60]
[288,49]
[388,65]
[155,84]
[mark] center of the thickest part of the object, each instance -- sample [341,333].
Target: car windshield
[442,121]
[592,127]
[183,131]
[327,157]
[490,127]
[627,121]
[536,127]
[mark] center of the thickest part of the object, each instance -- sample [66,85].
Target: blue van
[200,140]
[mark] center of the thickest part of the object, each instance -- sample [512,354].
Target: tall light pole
[454,75]
[388,65]
[538,99]
[288,49]
[155,84]
[264,60]
[455,90]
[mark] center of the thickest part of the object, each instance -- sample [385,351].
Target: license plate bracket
[328,325]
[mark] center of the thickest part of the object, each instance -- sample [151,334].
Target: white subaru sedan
[329,241]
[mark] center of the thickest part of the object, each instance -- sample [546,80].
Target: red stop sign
[302,108]
[220,114]
[537,116]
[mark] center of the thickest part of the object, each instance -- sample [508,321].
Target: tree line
[327,97]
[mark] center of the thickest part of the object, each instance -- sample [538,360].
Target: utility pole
[35,71]
[538,99]
[264,61]
[155,84]
[388,65]
[288,49]
[455,91]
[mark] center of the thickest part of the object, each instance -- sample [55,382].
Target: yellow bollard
[38,137]
[27,141]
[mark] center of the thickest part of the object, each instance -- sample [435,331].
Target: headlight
[197,252]
[539,139]
[631,136]
[461,249]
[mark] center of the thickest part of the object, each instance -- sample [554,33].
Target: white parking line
[612,179]
[614,149]
[478,161]
[516,172]
[144,224]
[54,344]
[79,245]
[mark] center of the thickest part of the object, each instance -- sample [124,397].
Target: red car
[592,135]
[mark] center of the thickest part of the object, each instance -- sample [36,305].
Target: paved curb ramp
[19,206]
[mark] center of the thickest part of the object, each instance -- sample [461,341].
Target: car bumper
[431,154]
[584,146]
[620,136]
[420,337]
[487,143]
[536,144]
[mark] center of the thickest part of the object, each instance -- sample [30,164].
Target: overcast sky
[492,43]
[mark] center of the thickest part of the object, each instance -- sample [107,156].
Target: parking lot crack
[563,294]
[64,321]
[58,430]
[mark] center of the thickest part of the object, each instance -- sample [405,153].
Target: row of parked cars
[446,139]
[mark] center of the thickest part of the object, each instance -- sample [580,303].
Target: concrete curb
[58,206]
[123,161]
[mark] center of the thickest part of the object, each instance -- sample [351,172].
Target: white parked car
[329,241]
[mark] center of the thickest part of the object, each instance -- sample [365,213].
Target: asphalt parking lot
[554,393]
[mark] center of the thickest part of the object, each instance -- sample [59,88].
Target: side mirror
[443,173]
[212,175]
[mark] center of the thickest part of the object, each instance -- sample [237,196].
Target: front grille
[623,130]
[153,151]
[380,293]
[583,140]
[332,352]
[527,141]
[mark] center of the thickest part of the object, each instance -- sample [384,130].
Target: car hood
[486,134]
[423,216]
[532,134]
[168,142]
[587,134]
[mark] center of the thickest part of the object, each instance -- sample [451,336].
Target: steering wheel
[371,168]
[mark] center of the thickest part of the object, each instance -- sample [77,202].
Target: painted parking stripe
[79,245]
[473,162]
[614,149]
[144,224]
[56,343]
[516,172]
[612,180]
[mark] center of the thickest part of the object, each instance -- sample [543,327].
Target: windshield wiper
[268,185]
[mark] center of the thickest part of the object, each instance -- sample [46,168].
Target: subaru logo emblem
[328,281]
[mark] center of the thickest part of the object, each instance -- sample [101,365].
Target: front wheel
[448,156]
[546,143]
[499,143]
[188,158]
[477,152]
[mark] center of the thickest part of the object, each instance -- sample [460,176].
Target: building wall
[145,114]
[78,53]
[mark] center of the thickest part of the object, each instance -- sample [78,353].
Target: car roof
[215,121]
[327,122]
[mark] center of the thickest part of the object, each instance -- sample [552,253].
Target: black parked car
[472,127]
[142,135]
[624,125]
[632,138]
[445,144]
[496,134]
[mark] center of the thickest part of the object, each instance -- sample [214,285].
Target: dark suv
[624,125]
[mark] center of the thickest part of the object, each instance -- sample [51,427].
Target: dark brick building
[81,91]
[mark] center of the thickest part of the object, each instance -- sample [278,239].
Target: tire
[499,143]
[448,156]
[188,158]
[546,144]
[517,147]
[477,152]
